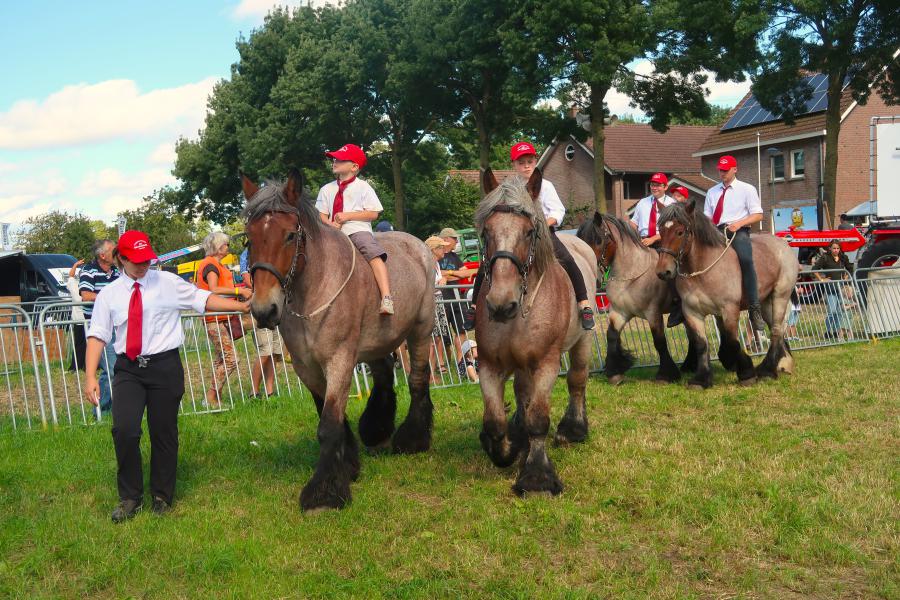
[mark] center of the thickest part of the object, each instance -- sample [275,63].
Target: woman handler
[142,309]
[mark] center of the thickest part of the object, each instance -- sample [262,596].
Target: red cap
[521,149]
[659,178]
[135,246]
[350,152]
[727,162]
[681,190]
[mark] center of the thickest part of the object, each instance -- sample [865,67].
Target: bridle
[682,249]
[522,267]
[285,281]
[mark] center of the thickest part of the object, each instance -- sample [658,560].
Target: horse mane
[590,232]
[702,227]
[513,195]
[271,198]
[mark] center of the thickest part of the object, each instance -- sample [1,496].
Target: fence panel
[21,389]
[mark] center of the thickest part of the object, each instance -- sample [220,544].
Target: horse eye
[291,237]
[680,233]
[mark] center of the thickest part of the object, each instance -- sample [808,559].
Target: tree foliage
[166,227]
[57,233]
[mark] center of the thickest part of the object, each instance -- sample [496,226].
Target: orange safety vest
[225,280]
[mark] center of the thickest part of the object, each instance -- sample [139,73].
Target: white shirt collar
[143,280]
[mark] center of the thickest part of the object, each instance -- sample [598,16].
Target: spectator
[845,222]
[453,270]
[441,331]
[95,276]
[790,332]
[384,226]
[79,341]
[838,268]
[214,277]
[468,365]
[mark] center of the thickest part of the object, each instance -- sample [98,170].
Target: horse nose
[266,316]
[664,274]
[503,312]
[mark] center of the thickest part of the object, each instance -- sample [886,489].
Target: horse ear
[248,186]
[598,218]
[488,181]
[534,183]
[691,206]
[294,186]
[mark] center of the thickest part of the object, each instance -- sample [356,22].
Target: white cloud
[164,154]
[115,109]
[259,8]
[112,184]
[8,167]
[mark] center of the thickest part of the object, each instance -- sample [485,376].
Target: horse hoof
[747,382]
[381,448]
[409,441]
[538,481]
[616,379]
[322,494]
[695,386]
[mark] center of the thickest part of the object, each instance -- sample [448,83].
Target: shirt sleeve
[708,204]
[86,281]
[370,199]
[636,213]
[550,202]
[101,326]
[189,296]
[322,202]
[754,206]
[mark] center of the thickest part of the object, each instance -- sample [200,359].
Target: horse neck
[628,259]
[327,263]
[700,256]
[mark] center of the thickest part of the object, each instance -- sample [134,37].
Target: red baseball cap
[681,190]
[727,162]
[135,246]
[521,149]
[350,152]
[659,178]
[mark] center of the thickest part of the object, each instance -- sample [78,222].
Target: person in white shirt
[78,338]
[142,308]
[646,211]
[524,159]
[734,206]
[350,204]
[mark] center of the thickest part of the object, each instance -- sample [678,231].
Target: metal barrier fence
[41,373]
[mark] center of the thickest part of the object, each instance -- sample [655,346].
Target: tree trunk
[484,144]
[598,93]
[832,131]
[399,196]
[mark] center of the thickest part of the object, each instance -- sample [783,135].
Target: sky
[95,95]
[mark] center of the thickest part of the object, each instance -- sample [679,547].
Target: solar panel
[751,113]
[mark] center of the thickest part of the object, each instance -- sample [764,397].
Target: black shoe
[587,318]
[126,510]
[469,319]
[756,319]
[160,506]
[676,316]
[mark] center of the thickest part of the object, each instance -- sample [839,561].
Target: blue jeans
[837,317]
[107,358]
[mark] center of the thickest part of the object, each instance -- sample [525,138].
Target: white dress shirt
[551,204]
[358,196]
[641,215]
[163,296]
[72,286]
[741,200]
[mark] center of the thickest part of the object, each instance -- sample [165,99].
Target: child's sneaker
[587,318]
[387,306]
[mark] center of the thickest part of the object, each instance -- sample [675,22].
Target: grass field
[789,489]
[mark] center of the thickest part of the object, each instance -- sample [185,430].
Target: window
[777,167]
[797,169]
[626,189]
[570,152]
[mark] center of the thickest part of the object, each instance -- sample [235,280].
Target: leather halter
[522,268]
[285,281]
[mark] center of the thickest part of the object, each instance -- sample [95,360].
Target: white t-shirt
[550,203]
[741,200]
[641,215]
[72,286]
[163,296]
[359,195]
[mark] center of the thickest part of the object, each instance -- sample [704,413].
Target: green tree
[594,46]
[57,233]
[717,116]
[166,227]
[853,42]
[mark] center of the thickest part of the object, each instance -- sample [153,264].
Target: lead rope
[727,246]
[337,293]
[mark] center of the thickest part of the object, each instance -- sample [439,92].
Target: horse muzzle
[502,312]
[268,311]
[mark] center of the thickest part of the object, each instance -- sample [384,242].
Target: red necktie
[135,323]
[339,198]
[651,228]
[717,214]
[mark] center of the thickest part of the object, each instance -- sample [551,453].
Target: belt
[144,360]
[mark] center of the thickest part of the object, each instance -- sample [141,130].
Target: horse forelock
[513,196]
[271,199]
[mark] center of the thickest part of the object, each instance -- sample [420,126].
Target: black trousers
[158,387]
[565,260]
[76,361]
[744,250]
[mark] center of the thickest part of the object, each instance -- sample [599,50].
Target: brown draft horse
[708,278]
[527,317]
[633,290]
[311,282]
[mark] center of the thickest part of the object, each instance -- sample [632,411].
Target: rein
[603,264]
[286,280]
[681,253]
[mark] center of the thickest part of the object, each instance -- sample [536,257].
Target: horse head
[515,235]
[596,234]
[277,239]
[676,234]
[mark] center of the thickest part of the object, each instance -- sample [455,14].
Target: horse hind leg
[727,351]
[414,434]
[573,428]
[668,370]
[537,473]
[618,359]
[377,421]
[779,357]
[732,348]
[695,325]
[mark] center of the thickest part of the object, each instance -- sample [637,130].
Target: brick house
[796,154]
[632,153]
